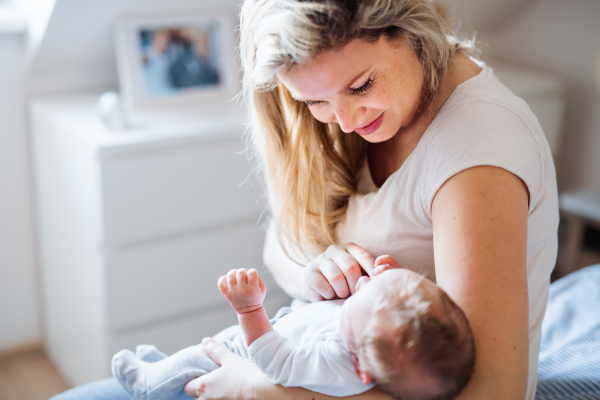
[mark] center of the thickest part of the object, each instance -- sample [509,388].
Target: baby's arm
[245,291]
[324,366]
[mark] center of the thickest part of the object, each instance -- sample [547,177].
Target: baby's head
[408,336]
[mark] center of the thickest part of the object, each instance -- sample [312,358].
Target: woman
[379,135]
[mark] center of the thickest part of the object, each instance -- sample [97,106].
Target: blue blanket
[569,365]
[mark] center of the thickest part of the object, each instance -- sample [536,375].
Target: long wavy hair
[309,166]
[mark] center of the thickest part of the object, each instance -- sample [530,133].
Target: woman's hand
[336,271]
[220,383]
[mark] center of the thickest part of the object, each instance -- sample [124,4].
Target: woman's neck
[387,157]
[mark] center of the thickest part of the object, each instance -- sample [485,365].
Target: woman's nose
[346,115]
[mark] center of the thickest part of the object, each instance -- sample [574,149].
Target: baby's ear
[364,376]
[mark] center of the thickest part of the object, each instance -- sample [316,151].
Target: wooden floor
[29,375]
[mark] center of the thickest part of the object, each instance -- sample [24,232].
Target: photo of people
[179,58]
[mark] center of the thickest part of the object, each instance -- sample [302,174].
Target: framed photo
[178,60]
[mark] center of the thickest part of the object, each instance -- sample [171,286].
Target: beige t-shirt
[482,123]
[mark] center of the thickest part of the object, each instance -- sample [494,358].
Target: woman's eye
[366,86]
[312,103]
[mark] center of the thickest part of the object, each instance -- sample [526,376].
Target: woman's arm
[250,383]
[480,246]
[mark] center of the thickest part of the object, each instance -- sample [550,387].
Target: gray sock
[149,353]
[163,379]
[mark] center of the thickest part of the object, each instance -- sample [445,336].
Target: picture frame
[176,61]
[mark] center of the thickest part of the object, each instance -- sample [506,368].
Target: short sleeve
[478,133]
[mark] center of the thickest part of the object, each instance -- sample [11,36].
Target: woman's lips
[370,128]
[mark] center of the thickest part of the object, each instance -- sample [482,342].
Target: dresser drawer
[152,194]
[159,280]
[177,334]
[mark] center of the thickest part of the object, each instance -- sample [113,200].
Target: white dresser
[135,227]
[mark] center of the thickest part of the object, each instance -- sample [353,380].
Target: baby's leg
[164,379]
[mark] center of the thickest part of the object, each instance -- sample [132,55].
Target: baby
[398,331]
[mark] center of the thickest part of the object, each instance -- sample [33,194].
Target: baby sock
[160,377]
[149,353]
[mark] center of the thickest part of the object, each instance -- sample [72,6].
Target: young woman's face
[373,89]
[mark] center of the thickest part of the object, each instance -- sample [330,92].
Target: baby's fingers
[231,281]
[241,277]
[222,284]
[252,277]
[263,287]
[383,263]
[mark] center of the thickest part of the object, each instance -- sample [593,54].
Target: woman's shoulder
[484,123]
[483,98]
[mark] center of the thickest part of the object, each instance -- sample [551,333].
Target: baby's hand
[245,291]
[383,263]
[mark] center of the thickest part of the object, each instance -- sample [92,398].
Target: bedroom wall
[563,38]
[19,309]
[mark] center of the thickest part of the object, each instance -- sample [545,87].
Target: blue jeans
[106,389]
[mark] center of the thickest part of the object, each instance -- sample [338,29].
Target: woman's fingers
[336,278]
[216,350]
[363,257]
[234,380]
[337,270]
[351,270]
[317,282]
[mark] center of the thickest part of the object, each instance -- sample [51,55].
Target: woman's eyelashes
[365,86]
[359,90]
[312,103]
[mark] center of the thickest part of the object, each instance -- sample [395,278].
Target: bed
[569,364]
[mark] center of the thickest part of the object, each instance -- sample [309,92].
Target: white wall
[19,310]
[561,37]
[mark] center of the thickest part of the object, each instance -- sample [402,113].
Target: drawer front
[153,194]
[174,335]
[161,280]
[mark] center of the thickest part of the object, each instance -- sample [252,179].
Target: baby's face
[360,307]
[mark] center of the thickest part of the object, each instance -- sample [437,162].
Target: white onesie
[305,349]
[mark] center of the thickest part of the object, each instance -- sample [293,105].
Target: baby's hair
[424,354]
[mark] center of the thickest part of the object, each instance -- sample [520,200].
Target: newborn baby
[399,331]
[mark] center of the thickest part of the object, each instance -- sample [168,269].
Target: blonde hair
[309,166]
[437,343]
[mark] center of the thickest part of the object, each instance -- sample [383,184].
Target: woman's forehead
[331,72]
